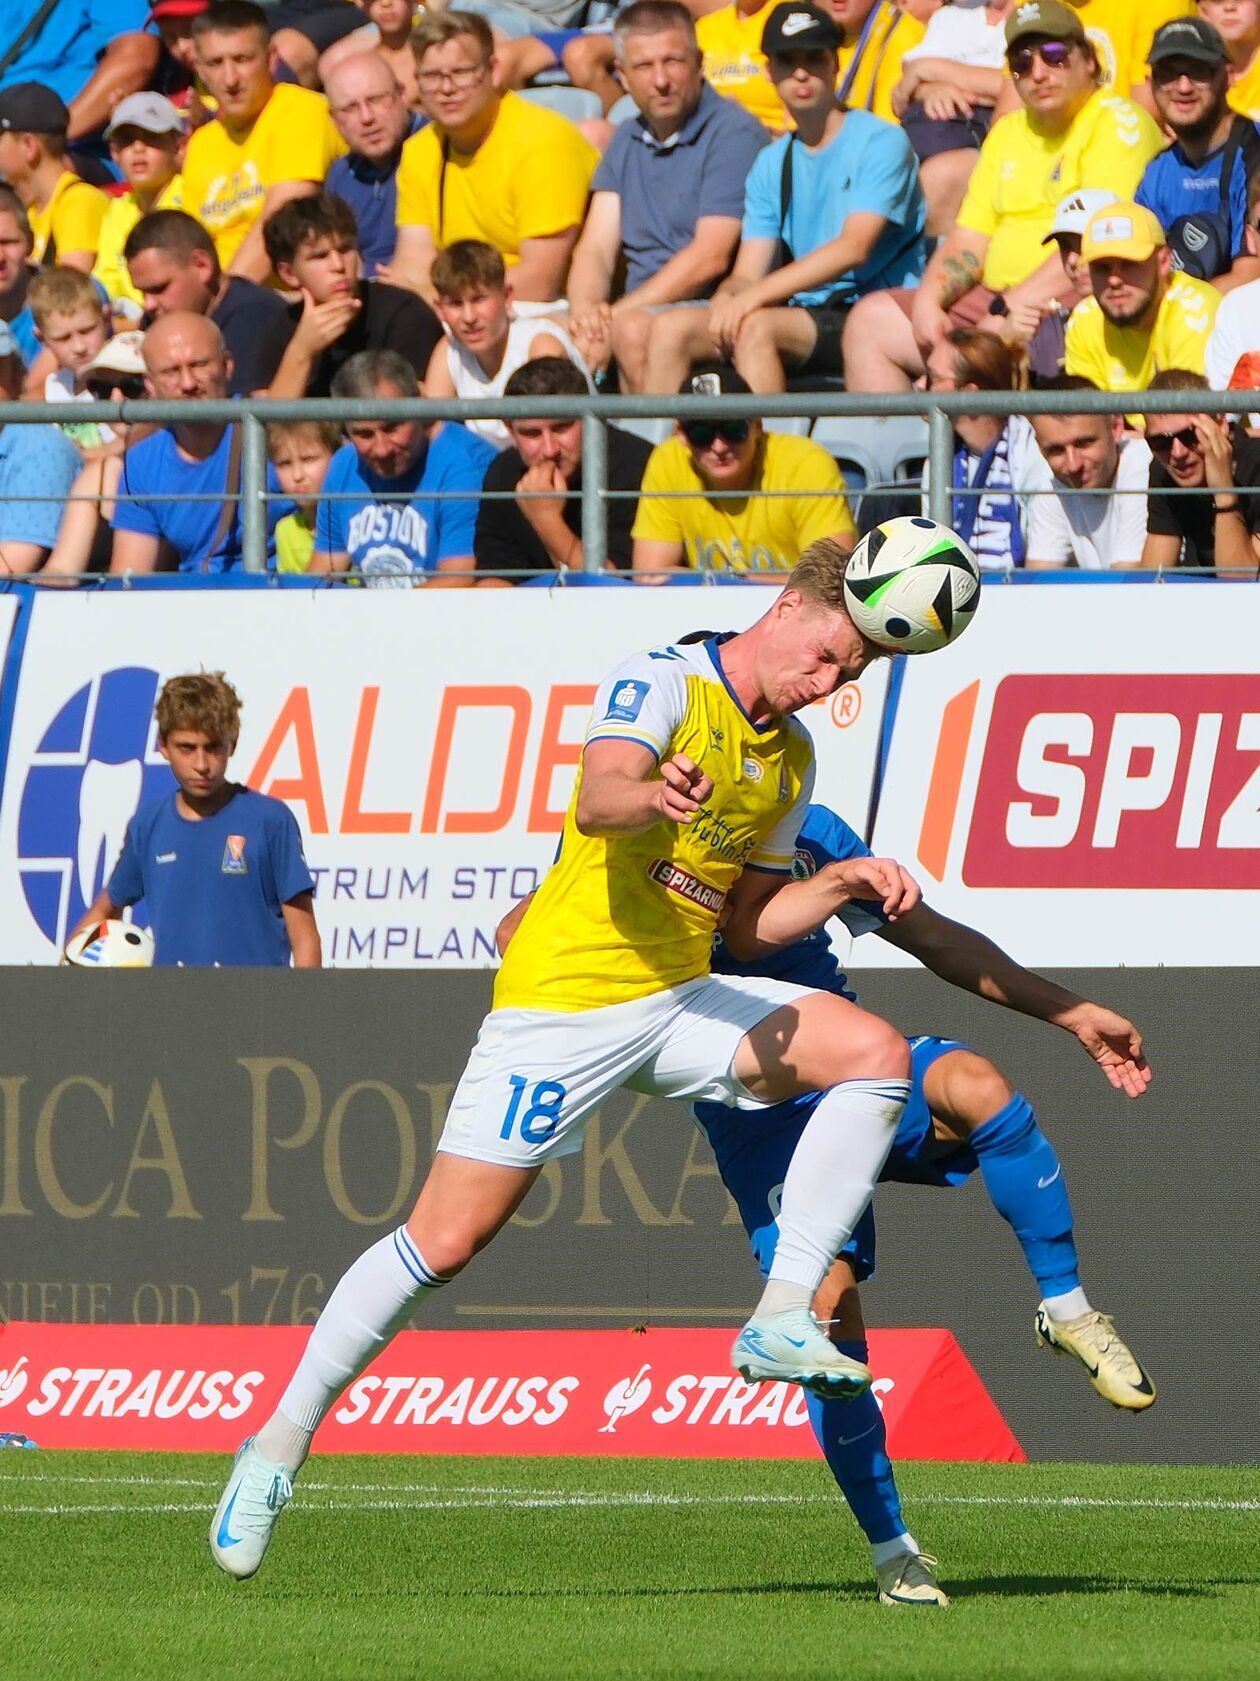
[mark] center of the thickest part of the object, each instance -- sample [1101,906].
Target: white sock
[1070,1305]
[829,1183]
[372,1302]
[882,1551]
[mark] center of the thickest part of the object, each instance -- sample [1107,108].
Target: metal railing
[254,413]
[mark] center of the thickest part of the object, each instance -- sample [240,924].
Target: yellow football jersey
[624,916]
[1126,358]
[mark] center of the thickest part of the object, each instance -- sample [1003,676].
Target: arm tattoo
[959,272]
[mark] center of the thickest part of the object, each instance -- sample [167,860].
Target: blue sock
[1024,1179]
[855,1443]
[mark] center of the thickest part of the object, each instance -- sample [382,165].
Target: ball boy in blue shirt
[219,867]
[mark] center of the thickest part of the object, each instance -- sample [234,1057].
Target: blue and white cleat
[788,1347]
[256,1494]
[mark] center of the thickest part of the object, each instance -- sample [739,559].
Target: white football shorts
[535,1075]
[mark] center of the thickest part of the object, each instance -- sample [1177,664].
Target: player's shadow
[999,1587]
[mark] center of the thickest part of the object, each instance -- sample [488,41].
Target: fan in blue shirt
[215,869]
[400,499]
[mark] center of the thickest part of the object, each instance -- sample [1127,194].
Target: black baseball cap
[1188,38]
[31,108]
[799,28]
[716,379]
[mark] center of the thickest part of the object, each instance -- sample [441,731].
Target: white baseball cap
[153,113]
[1072,213]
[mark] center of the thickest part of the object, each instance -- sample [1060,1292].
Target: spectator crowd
[378,199]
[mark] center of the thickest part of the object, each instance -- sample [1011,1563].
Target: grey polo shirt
[666,187]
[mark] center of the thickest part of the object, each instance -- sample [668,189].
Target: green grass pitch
[520,1568]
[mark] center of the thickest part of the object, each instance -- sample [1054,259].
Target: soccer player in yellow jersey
[1069,133]
[1144,316]
[694,780]
[268,143]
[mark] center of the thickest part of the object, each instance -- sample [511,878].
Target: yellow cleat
[1092,1339]
[908,1579]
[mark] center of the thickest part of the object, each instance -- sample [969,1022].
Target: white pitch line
[338,1487]
[533,1502]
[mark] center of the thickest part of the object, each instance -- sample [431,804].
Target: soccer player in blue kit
[962,1115]
[219,866]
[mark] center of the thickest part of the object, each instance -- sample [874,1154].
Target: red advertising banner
[664,1393]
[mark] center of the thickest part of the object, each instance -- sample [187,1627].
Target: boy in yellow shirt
[300,452]
[65,213]
[1144,316]
[753,534]
[146,141]
[269,142]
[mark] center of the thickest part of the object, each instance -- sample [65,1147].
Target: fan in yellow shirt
[876,35]
[1144,316]
[269,143]
[691,513]
[146,140]
[491,166]
[64,212]
[734,64]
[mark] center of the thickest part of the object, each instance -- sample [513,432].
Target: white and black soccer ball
[111,945]
[912,585]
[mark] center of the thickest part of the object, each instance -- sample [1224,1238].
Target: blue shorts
[556,40]
[753,1148]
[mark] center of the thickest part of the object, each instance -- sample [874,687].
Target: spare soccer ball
[912,585]
[111,945]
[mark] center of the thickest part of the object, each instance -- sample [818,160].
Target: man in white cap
[146,142]
[1045,346]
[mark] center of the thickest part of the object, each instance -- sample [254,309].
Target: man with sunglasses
[1220,528]
[1144,313]
[1070,132]
[704,502]
[490,166]
[1185,187]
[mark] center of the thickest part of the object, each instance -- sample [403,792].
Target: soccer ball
[111,945]
[912,585]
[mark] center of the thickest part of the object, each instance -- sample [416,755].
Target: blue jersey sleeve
[288,862]
[126,884]
[828,839]
[132,510]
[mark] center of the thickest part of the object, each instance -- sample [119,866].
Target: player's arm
[970,960]
[303,931]
[511,922]
[766,911]
[625,790]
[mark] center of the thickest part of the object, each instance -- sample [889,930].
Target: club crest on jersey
[752,770]
[234,857]
[626,701]
[803,865]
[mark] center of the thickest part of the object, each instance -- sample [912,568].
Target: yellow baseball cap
[1128,231]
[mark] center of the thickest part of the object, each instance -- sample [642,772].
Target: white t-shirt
[470,379]
[1237,331]
[1095,531]
[964,36]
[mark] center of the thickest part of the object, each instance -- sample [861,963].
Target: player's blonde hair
[200,700]
[819,574]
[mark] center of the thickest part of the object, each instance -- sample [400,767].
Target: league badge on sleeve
[234,857]
[627,701]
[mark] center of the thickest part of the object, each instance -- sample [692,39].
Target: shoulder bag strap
[231,489]
[785,204]
[34,27]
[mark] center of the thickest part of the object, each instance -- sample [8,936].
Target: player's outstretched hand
[682,789]
[1115,1045]
[882,879]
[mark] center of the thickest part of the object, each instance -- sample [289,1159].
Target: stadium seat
[884,450]
[577,104]
[651,428]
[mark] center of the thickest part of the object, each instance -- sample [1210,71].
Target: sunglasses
[1053,54]
[702,433]
[1161,443]
[131,386]
[1172,70]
